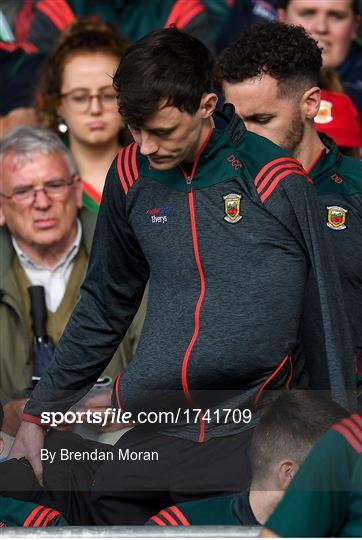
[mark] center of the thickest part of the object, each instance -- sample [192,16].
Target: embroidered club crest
[336,218]
[324,115]
[232,208]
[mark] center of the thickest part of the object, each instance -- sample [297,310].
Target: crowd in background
[57,60]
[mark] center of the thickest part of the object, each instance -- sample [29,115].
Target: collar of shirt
[55,280]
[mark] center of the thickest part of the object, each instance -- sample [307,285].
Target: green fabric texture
[347,169]
[215,511]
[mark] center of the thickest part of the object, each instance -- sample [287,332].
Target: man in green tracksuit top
[286,432]
[271,76]
[325,497]
[225,226]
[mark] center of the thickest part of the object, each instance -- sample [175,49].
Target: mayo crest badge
[336,218]
[232,207]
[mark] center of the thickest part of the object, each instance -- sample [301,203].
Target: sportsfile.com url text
[113,416]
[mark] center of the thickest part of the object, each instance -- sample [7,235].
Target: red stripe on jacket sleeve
[31,516]
[40,518]
[273,171]
[271,164]
[50,517]
[120,172]
[158,521]
[168,517]
[134,161]
[277,180]
[180,515]
[350,438]
[127,166]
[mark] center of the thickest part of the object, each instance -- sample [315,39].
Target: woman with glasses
[77,99]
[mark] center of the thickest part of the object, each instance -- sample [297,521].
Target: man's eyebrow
[162,130]
[257,116]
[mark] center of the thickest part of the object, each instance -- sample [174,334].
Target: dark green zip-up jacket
[227,254]
[338,180]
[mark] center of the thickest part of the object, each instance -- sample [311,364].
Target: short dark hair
[286,53]
[283,4]
[164,65]
[1,416]
[289,427]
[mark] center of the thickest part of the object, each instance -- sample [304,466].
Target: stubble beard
[294,135]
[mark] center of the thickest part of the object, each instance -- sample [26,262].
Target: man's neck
[208,125]
[49,256]
[310,147]
[262,502]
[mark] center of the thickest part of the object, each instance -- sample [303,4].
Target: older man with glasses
[44,240]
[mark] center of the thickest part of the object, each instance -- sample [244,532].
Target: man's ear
[311,102]
[208,104]
[286,471]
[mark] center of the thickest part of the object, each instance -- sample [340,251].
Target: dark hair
[286,53]
[283,4]
[85,35]
[1,415]
[165,65]
[289,427]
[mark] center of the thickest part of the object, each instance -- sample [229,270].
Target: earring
[62,126]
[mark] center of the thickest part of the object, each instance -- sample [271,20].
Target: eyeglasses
[54,189]
[79,99]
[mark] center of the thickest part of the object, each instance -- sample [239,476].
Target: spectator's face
[330,22]
[171,136]
[265,112]
[42,222]
[93,121]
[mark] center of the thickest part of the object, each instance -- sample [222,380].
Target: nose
[41,199]
[320,24]
[95,106]
[147,143]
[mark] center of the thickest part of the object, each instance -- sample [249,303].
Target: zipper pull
[189,183]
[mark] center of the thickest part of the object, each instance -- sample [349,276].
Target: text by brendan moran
[122,454]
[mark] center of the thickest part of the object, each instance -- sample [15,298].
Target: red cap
[339,119]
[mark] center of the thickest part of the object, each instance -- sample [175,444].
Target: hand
[100,402]
[28,443]
[13,411]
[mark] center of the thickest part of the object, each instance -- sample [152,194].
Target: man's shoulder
[130,165]
[265,160]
